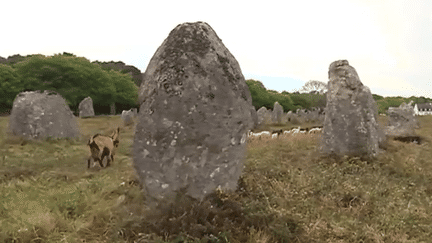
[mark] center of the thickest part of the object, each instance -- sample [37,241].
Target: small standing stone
[277,113]
[195,112]
[350,124]
[401,121]
[264,116]
[86,108]
[37,115]
[128,117]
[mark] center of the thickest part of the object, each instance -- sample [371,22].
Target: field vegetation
[287,193]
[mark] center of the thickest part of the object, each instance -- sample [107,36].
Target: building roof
[424,106]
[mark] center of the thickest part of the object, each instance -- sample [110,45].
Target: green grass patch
[287,193]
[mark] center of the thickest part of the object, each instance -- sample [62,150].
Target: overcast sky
[281,43]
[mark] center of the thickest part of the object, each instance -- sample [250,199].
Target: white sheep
[259,134]
[266,133]
[315,130]
[295,130]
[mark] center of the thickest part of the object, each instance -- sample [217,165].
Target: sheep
[263,133]
[304,130]
[267,133]
[102,146]
[315,130]
[276,133]
[295,130]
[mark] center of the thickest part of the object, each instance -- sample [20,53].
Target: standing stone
[401,121]
[277,113]
[254,116]
[37,115]
[350,124]
[289,116]
[112,109]
[195,112]
[134,111]
[86,108]
[285,118]
[264,116]
[127,117]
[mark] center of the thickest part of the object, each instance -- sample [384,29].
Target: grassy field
[287,193]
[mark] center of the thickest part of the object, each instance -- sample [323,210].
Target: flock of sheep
[277,133]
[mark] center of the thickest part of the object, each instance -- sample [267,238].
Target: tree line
[261,97]
[73,77]
[314,95]
[115,83]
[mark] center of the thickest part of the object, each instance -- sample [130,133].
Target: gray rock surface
[264,116]
[401,121]
[37,115]
[86,108]
[277,113]
[195,111]
[128,117]
[350,124]
[135,111]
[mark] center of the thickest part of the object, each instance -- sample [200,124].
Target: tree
[314,85]
[126,91]
[377,97]
[123,68]
[260,95]
[73,77]
[301,101]
[10,86]
[263,97]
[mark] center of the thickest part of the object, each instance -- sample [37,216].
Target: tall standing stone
[39,115]
[86,108]
[195,111]
[277,113]
[350,123]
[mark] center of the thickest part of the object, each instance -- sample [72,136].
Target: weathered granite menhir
[350,124]
[40,115]
[195,111]
[277,113]
[86,108]
[264,116]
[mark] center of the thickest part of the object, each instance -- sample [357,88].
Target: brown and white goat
[102,146]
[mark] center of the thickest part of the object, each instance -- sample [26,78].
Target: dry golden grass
[287,193]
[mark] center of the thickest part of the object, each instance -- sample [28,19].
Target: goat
[102,146]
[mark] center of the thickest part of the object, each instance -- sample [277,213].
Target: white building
[423,109]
